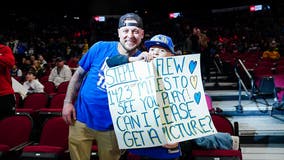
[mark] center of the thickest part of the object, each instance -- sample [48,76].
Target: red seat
[15,133]
[222,124]
[62,87]
[94,151]
[280,69]
[55,105]
[32,103]
[49,87]
[53,142]
[43,79]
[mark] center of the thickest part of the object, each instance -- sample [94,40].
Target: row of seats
[221,123]
[16,143]
[265,78]
[53,142]
[40,103]
[50,88]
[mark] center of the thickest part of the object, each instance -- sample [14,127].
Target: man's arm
[123,59]
[68,111]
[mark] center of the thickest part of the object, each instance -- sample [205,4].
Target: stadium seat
[49,87]
[222,124]
[62,87]
[53,143]
[55,105]
[94,152]
[32,103]
[15,132]
[43,79]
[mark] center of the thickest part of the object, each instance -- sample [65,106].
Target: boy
[32,84]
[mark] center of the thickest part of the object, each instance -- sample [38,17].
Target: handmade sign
[158,102]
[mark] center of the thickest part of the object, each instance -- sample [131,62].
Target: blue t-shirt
[92,102]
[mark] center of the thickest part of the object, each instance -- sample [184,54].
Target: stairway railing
[249,93]
[241,84]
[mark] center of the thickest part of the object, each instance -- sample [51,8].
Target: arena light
[255,8]
[99,18]
[174,15]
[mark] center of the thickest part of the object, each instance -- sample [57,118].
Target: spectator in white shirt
[60,73]
[32,84]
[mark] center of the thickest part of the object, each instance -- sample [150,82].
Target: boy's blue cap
[160,40]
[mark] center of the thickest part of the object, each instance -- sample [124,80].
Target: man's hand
[69,113]
[143,56]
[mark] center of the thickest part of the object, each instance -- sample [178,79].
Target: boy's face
[158,51]
[30,77]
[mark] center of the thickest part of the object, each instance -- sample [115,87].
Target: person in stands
[60,73]
[32,84]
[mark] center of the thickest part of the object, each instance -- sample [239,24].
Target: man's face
[60,64]
[130,37]
[158,51]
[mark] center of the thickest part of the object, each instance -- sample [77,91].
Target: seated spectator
[42,60]
[26,65]
[60,73]
[32,84]
[272,52]
[37,68]
[16,71]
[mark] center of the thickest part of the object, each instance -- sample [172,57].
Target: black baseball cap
[59,59]
[130,16]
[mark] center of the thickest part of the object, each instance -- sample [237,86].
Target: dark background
[99,7]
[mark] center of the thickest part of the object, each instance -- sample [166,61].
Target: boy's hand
[170,146]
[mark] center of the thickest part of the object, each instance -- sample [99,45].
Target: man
[90,118]
[60,73]
[7,99]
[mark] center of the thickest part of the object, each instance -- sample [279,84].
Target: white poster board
[158,102]
[19,88]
